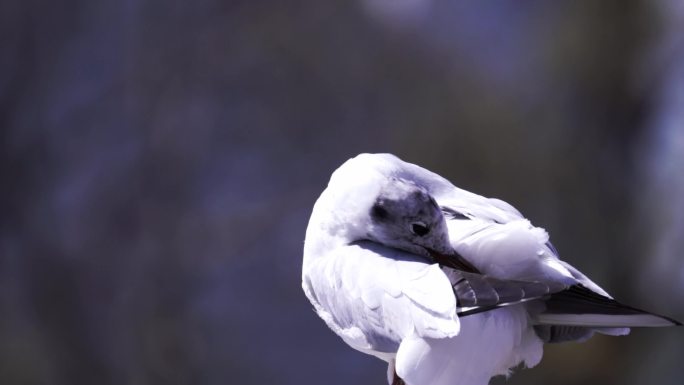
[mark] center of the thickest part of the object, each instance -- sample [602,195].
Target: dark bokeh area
[159,162]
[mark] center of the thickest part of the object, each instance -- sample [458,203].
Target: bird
[446,286]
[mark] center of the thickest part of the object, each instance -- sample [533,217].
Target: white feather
[482,349]
[374,312]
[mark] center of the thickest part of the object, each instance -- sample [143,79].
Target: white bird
[446,286]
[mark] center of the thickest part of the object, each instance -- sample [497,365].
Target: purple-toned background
[160,159]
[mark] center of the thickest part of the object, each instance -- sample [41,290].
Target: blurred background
[160,160]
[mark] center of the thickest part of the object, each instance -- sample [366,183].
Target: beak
[453,260]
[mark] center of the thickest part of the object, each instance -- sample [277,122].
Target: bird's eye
[419,228]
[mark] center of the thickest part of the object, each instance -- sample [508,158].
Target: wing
[476,293]
[574,305]
[519,264]
[373,296]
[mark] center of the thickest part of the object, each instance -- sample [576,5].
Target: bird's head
[380,199]
[405,216]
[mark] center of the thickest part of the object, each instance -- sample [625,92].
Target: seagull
[447,286]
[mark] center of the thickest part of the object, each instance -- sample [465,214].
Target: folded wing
[567,305]
[476,293]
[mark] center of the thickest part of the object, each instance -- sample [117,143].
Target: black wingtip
[578,299]
[673,321]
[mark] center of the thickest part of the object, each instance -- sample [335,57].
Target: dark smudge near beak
[453,260]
